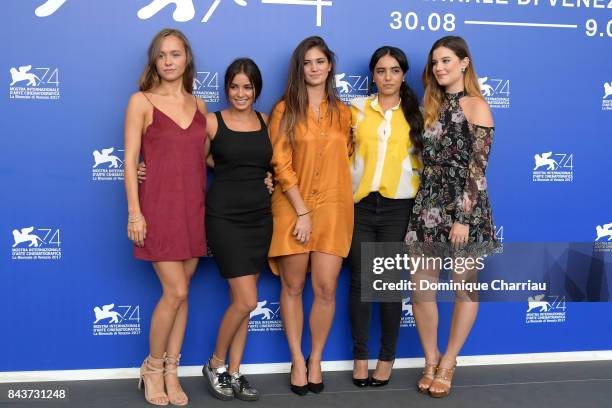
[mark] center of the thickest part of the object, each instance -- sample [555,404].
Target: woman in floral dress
[451,210]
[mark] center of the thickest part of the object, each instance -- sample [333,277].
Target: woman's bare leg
[293,270]
[177,334]
[325,270]
[425,310]
[174,294]
[465,311]
[243,293]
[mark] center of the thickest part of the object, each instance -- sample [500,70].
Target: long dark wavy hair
[296,95]
[409,100]
[150,77]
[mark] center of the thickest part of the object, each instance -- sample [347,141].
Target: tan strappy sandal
[428,376]
[147,369]
[178,398]
[442,380]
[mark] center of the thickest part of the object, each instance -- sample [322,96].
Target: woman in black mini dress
[238,219]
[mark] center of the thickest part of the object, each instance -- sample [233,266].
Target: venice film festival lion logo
[607,90]
[545,309]
[265,317]
[351,86]
[536,303]
[24,74]
[342,84]
[544,160]
[606,104]
[106,312]
[29,82]
[261,310]
[25,235]
[407,319]
[107,166]
[496,91]
[36,243]
[603,231]
[106,156]
[551,166]
[486,89]
[109,322]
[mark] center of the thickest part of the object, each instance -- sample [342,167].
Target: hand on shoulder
[211,125]
[201,106]
[477,111]
[279,108]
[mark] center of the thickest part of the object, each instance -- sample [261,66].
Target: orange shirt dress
[319,166]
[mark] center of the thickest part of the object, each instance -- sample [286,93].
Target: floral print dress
[453,184]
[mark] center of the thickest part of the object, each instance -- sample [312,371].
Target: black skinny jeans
[377,219]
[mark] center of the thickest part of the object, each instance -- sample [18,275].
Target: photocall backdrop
[73,297]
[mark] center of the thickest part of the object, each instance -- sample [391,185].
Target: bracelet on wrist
[135,218]
[302,214]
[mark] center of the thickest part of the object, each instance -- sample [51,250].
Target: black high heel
[300,390]
[378,383]
[361,382]
[317,388]
[375,382]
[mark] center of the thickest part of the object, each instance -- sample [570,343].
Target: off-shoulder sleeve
[482,138]
[282,152]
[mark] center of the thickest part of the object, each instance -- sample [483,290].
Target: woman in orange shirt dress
[313,208]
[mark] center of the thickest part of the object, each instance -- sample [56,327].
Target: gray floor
[571,385]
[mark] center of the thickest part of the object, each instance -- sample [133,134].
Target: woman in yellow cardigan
[313,208]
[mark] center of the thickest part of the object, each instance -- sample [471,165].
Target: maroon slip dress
[172,196]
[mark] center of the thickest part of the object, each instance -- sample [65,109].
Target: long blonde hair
[150,77]
[434,93]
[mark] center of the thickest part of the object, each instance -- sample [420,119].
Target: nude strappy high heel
[178,398]
[147,369]
[428,377]
[443,379]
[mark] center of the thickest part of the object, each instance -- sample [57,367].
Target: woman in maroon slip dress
[166,124]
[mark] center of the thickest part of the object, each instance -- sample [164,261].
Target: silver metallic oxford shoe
[242,388]
[218,381]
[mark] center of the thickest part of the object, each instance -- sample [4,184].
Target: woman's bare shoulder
[477,111]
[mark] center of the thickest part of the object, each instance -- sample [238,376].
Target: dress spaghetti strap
[220,121]
[145,95]
[261,120]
